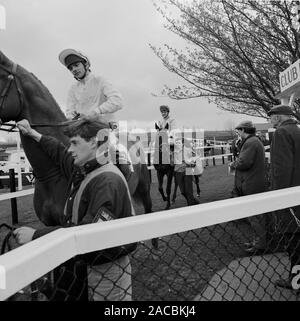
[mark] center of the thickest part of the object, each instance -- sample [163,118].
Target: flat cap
[281,110]
[245,124]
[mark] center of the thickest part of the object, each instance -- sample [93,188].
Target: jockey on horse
[164,153]
[94,97]
[166,122]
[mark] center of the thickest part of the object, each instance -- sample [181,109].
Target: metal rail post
[13,201]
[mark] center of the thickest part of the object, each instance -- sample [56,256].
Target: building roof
[263,126]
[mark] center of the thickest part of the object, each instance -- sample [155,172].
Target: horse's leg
[143,193]
[179,176]
[160,179]
[169,185]
[142,190]
[175,187]
[196,177]
[188,190]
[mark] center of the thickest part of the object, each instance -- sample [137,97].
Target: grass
[185,262]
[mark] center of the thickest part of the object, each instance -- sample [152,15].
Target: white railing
[151,152]
[8,196]
[27,263]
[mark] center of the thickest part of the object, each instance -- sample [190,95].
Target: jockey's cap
[164,108]
[71,56]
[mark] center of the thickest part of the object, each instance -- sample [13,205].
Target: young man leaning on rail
[105,197]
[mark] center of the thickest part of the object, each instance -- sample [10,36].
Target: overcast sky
[115,34]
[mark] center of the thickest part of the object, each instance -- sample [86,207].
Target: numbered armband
[103,215]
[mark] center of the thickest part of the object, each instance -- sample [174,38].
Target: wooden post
[149,164]
[13,201]
[222,152]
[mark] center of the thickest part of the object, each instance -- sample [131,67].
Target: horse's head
[24,96]
[11,99]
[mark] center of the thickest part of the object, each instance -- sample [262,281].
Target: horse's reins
[13,126]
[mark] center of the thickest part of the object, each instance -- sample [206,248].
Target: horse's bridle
[12,77]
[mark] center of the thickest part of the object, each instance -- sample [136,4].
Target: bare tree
[234,51]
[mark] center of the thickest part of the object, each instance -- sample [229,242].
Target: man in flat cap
[250,179]
[285,172]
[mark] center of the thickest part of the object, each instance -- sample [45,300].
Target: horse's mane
[39,91]
[44,90]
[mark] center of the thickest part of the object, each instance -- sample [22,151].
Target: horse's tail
[142,192]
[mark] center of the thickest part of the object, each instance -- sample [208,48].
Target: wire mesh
[208,264]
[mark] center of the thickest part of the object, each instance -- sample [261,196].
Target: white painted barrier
[20,267]
[8,196]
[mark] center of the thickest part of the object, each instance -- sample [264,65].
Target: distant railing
[13,195]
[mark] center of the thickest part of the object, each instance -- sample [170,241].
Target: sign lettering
[290,76]
[296,278]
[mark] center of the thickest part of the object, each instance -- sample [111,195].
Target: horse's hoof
[168,206]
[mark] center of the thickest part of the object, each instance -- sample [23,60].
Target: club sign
[290,76]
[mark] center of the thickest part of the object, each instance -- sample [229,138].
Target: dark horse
[23,96]
[164,164]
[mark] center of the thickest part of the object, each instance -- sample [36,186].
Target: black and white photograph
[149,153]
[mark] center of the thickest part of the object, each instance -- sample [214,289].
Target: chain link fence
[210,263]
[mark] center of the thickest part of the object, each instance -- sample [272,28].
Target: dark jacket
[250,167]
[285,167]
[236,146]
[105,196]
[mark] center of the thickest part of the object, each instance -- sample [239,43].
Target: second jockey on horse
[94,97]
[166,122]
